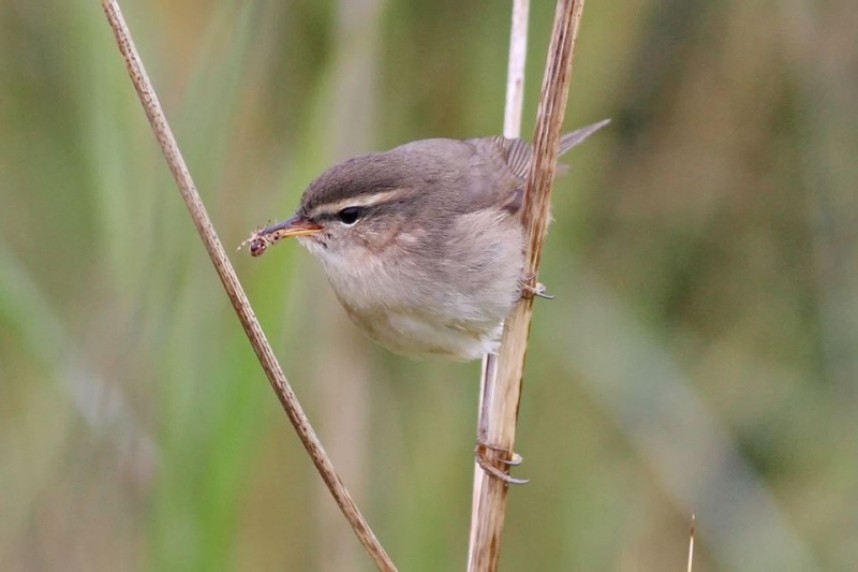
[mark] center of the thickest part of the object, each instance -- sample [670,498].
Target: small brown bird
[423,244]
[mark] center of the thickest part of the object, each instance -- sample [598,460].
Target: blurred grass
[701,356]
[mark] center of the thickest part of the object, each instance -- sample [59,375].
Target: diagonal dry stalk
[501,390]
[229,279]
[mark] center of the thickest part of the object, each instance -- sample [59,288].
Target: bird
[423,244]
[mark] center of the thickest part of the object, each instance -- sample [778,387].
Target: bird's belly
[413,312]
[450,324]
[412,333]
[454,326]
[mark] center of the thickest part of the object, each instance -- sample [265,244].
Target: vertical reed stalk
[502,375]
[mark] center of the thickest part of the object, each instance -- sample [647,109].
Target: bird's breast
[448,299]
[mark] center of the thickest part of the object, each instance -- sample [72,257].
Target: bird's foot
[488,456]
[537,290]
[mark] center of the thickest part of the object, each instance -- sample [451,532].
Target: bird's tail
[519,153]
[579,135]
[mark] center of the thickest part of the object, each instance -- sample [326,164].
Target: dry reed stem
[515,69]
[511,129]
[229,279]
[691,543]
[501,394]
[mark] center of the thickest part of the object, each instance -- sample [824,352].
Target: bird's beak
[295,226]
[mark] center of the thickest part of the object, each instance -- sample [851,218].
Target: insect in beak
[262,238]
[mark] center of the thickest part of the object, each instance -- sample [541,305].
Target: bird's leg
[529,290]
[487,455]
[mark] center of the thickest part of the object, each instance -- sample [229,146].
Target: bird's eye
[349,215]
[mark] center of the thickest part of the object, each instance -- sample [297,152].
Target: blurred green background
[701,355]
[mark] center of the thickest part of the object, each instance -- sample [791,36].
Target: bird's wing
[502,167]
[513,155]
[517,154]
[493,179]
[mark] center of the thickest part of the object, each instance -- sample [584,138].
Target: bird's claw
[537,291]
[502,456]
